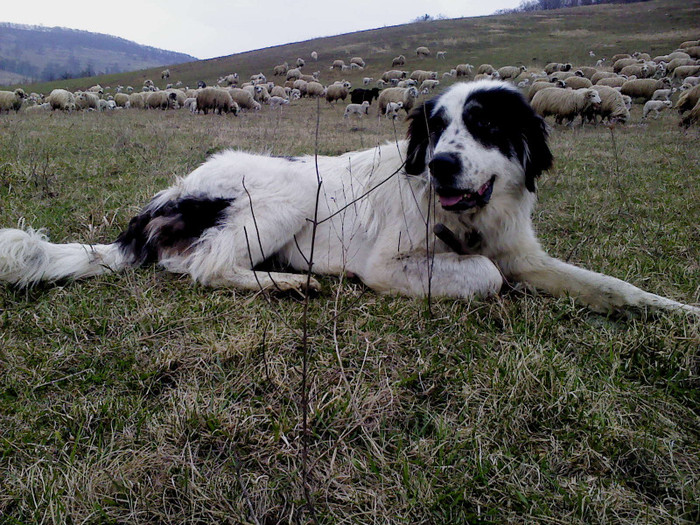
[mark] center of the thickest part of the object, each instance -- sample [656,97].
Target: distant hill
[44,54]
[529,38]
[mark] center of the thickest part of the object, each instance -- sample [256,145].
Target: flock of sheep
[561,90]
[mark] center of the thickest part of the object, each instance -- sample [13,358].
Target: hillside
[31,53]
[532,38]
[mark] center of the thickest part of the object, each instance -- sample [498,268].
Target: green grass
[143,398]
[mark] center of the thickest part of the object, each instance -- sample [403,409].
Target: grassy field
[142,398]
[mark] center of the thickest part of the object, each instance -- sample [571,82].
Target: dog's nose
[445,166]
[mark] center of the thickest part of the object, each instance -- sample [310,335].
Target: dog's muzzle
[444,169]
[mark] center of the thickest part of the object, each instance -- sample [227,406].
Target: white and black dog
[447,210]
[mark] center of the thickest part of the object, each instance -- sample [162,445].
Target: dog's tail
[27,258]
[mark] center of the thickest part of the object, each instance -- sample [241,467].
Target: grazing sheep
[179,96]
[85,100]
[280,70]
[294,74]
[618,56]
[360,95]
[358,61]
[612,106]
[694,52]
[624,62]
[485,69]
[121,99]
[294,94]
[338,64]
[96,89]
[690,82]
[614,82]
[420,75]
[393,74]
[554,67]
[671,65]
[429,84]
[191,105]
[564,103]
[682,72]
[663,94]
[11,100]
[278,102]
[688,99]
[586,71]
[301,86]
[366,81]
[656,106]
[577,82]
[464,70]
[643,87]
[244,98]
[300,62]
[539,86]
[216,99]
[561,75]
[39,108]
[693,117]
[441,55]
[601,62]
[407,96]
[405,83]
[392,109]
[510,72]
[398,61]
[422,52]
[336,92]
[689,43]
[637,70]
[278,91]
[356,109]
[158,100]
[315,90]
[314,55]
[602,74]
[137,100]
[165,74]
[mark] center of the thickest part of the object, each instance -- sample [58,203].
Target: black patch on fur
[501,118]
[423,130]
[174,225]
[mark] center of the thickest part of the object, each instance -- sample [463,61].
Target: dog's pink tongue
[449,201]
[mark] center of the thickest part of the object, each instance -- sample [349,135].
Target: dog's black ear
[536,156]
[419,136]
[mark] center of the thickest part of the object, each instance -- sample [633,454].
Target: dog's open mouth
[460,200]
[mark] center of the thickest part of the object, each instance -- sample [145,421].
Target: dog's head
[471,135]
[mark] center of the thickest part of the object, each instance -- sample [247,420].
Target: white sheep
[85,100]
[315,89]
[300,62]
[510,72]
[463,70]
[314,56]
[366,81]
[165,74]
[216,99]
[191,104]
[419,75]
[422,52]
[392,109]
[337,91]
[657,106]
[393,74]
[357,109]
[429,84]
[689,82]
[407,96]
[357,61]
[11,100]
[398,61]
[441,55]
[338,64]
[663,94]
[278,102]
[245,99]
[564,103]
[96,89]
[613,106]
[644,87]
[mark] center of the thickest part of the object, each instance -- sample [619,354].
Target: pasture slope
[141,398]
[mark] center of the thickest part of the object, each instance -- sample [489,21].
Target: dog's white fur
[371,222]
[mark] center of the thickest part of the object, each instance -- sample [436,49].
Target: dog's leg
[443,275]
[601,292]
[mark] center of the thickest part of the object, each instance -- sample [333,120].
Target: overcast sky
[213,28]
